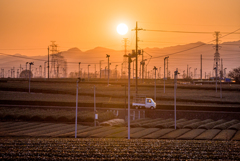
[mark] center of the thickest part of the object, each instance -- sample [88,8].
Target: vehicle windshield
[149,101]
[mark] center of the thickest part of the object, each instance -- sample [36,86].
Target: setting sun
[122,29]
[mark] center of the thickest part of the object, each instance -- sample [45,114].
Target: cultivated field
[144,128]
[47,134]
[51,115]
[58,90]
[116,149]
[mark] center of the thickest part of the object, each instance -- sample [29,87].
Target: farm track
[37,129]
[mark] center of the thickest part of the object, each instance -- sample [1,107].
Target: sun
[122,29]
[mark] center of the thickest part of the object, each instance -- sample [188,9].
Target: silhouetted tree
[235,74]
[25,74]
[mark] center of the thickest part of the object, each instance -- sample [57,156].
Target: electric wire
[196,46]
[234,32]
[23,57]
[186,32]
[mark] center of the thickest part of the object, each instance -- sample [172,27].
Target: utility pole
[187,71]
[159,72]
[48,62]
[17,73]
[142,63]
[140,70]
[40,71]
[79,69]
[116,71]
[133,69]
[175,97]
[216,69]
[88,72]
[26,65]
[107,56]
[221,67]
[195,73]
[76,108]
[30,75]
[11,73]
[225,74]
[164,73]
[221,75]
[129,72]
[167,67]
[100,68]
[201,67]
[125,59]
[155,84]
[137,29]
[95,76]
[105,71]
[45,69]
[95,111]
[122,71]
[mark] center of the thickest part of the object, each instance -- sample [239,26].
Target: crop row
[51,115]
[180,123]
[189,95]
[36,129]
[115,149]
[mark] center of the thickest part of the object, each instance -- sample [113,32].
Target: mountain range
[180,57]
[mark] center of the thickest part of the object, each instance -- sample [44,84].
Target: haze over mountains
[179,57]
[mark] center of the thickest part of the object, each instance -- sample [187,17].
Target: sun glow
[122,29]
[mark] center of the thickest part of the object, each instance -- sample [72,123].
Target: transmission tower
[216,63]
[53,49]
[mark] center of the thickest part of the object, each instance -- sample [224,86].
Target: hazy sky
[28,26]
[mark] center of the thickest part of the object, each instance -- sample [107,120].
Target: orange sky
[28,26]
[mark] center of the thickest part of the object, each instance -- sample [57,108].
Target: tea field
[116,149]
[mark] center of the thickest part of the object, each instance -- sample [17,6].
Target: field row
[52,115]
[43,91]
[116,149]
[35,129]
[180,123]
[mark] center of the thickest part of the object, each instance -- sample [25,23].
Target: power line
[231,44]
[231,50]
[197,46]
[186,32]
[23,57]
[25,49]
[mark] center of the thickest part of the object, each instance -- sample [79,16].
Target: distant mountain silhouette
[179,57]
